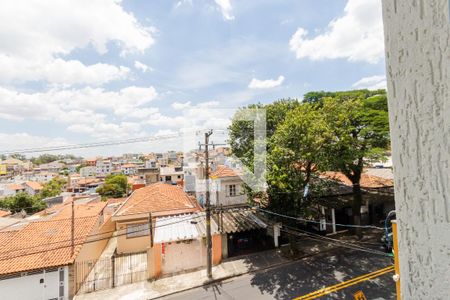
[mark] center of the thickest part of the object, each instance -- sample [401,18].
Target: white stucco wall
[417,34]
[29,286]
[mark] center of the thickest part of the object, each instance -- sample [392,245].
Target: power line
[88,236]
[339,243]
[320,222]
[98,144]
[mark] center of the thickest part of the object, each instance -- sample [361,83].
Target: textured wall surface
[417,36]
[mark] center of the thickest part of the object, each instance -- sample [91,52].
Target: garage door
[182,256]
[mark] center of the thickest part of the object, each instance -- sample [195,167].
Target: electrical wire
[101,144]
[319,222]
[339,243]
[325,238]
[85,237]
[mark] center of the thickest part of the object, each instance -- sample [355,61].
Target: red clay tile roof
[163,198]
[223,171]
[4,213]
[43,244]
[15,187]
[367,181]
[34,185]
[64,210]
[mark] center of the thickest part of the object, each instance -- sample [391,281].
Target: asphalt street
[302,277]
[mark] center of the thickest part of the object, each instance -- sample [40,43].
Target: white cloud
[371,83]
[142,67]
[37,34]
[356,36]
[226,9]
[58,71]
[22,140]
[266,84]
[180,106]
[87,110]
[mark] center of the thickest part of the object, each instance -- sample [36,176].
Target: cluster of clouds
[355,36]
[40,39]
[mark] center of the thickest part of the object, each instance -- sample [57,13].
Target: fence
[107,273]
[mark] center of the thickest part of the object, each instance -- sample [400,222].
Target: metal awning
[182,227]
[237,220]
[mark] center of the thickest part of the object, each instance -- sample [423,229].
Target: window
[231,190]
[135,230]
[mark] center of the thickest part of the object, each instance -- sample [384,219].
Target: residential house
[150,163]
[91,162]
[149,175]
[89,171]
[103,167]
[171,175]
[44,177]
[226,187]
[32,187]
[3,169]
[52,167]
[168,224]
[378,197]
[41,255]
[13,189]
[128,169]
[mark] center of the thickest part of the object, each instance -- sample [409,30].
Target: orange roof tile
[161,198]
[4,213]
[43,244]
[128,166]
[15,187]
[223,171]
[367,181]
[34,185]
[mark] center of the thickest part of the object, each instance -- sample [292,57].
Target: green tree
[298,151]
[241,132]
[116,186]
[359,125]
[52,188]
[23,201]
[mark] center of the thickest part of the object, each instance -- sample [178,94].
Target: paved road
[302,277]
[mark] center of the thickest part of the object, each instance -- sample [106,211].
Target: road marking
[345,284]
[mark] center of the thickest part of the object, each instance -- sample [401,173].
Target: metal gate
[107,273]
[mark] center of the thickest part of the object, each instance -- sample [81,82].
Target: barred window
[135,230]
[231,190]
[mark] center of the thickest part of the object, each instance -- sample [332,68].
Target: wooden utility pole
[72,236]
[208,209]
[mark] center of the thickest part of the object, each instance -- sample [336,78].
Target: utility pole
[208,209]
[208,205]
[72,250]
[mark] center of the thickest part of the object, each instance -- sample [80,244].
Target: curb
[214,281]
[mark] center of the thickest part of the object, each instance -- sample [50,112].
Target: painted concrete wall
[131,244]
[30,286]
[417,38]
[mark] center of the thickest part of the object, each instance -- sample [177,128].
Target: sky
[100,70]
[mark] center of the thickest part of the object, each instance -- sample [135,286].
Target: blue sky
[83,71]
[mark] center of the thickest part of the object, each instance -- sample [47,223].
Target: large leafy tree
[359,126]
[53,188]
[23,201]
[298,151]
[241,132]
[116,186]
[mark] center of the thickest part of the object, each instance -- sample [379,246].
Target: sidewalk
[228,268]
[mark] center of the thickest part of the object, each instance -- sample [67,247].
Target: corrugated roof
[237,220]
[182,227]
